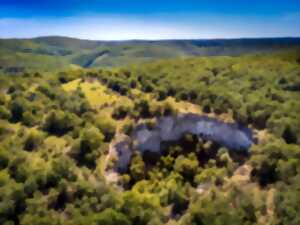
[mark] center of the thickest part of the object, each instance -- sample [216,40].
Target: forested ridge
[57,130]
[55,53]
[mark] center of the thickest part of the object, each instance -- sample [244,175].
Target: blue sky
[144,19]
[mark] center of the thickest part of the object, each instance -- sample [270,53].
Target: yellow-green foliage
[58,135]
[97,94]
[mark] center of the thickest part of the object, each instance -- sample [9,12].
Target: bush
[211,175]
[187,166]
[62,168]
[212,209]
[17,108]
[59,123]
[4,113]
[137,168]
[29,119]
[2,99]
[143,108]
[274,162]
[4,158]
[12,198]
[120,112]
[33,140]
[287,205]
[86,149]
[107,126]
[289,135]
[110,217]
[148,205]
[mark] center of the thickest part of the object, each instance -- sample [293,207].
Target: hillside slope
[63,137]
[59,53]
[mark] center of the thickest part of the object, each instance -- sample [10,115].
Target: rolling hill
[60,53]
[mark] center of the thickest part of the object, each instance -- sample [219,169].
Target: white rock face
[231,136]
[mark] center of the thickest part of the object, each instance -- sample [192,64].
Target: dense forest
[58,131]
[55,53]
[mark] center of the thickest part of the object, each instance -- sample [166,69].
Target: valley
[55,53]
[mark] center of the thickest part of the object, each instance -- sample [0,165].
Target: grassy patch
[96,93]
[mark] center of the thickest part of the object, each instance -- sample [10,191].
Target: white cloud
[162,26]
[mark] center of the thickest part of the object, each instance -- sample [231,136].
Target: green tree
[141,208]
[17,108]
[187,166]
[86,149]
[4,158]
[287,205]
[110,217]
[12,198]
[137,168]
[106,125]
[59,123]
[33,140]
[4,113]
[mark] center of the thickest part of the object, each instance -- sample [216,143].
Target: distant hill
[59,53]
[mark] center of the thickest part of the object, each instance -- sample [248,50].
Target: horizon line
[158,39]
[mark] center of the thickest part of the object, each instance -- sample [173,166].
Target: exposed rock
[172,128]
